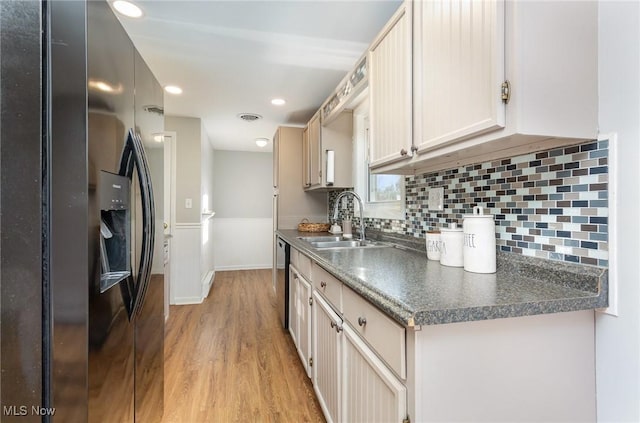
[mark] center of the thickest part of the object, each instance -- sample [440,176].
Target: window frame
[395,210]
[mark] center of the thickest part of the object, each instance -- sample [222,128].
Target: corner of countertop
[578,276]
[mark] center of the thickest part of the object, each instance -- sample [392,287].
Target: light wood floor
[229,360]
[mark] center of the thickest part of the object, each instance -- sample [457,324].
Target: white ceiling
[233,57]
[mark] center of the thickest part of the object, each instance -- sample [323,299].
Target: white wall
[207,258]
[192,255]
[618,338]
[188,172]
[243,184]
[243,225]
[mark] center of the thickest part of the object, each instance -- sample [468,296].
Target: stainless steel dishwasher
[282,281]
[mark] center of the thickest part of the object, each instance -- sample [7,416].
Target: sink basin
[335,242]
[320,238]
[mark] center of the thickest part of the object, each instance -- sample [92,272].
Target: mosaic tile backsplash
[551,204]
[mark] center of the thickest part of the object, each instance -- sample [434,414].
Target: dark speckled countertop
[415,291]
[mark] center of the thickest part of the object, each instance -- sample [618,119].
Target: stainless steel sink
[336,242]
[320,238]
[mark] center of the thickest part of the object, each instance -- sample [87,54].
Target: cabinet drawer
[328,285]
[385,336]
[304,266]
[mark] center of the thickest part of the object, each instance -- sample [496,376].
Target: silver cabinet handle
[362,321]
[337,327]
[403,152]
[323,284]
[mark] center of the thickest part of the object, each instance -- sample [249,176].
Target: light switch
[188,203]
[436,199]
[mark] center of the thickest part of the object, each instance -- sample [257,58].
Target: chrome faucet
[337,204]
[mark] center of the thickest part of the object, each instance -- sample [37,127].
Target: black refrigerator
[81,301]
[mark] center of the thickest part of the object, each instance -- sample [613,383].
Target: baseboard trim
[245,267]
[207,281]
[188,300]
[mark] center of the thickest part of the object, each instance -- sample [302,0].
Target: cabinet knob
[362,321]
[336,326]
[310,301]
[323,284]
[295,276]
[414,149]
[403,152]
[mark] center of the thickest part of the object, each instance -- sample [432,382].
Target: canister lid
[478,213]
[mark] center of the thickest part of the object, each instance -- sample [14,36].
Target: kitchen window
[384,195]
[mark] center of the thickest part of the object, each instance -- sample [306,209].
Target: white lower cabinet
[367,368]
[352,384]
[300,316]
[370,392]
[303,309]
[327,358]
[293,295]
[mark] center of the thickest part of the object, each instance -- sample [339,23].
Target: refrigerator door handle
[133,158]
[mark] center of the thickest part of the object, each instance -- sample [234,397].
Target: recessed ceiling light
[278,102]
[127,8]
[262,142]
[173,89]
[158,138]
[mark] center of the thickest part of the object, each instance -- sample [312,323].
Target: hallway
[228,359]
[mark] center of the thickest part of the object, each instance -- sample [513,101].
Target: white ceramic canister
[451,246]
[433,245]
[479,242]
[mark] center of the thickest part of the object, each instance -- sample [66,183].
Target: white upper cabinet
[314,157]
[463,53]
[459,69]
[335,136]
[390,90]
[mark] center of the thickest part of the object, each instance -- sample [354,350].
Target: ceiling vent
[154,109]
[249,117]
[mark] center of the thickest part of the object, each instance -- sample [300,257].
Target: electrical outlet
[188,203]
[436,199]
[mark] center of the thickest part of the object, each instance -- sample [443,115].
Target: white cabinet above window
[390,137]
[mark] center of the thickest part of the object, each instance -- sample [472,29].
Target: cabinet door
[370,391]
[306,171]
[327,340]
[276,159]
[315,156]
[458,70]
[304,322]
[390,94]
[293,303]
